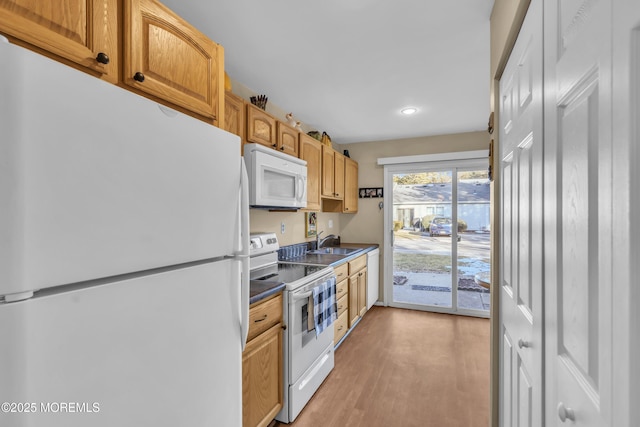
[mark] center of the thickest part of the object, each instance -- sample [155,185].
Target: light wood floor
[406,368]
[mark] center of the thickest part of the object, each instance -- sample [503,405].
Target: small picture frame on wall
[369,193]
[311,223]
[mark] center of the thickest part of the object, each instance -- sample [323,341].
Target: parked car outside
[441,226]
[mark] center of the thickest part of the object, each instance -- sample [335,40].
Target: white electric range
[308,358]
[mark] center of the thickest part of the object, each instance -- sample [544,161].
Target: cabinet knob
[102,58]
[282,148]
[522,343]
[274,145]
[565,413]
[346,209]
[139,77]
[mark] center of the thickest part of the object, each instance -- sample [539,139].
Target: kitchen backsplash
[294,225]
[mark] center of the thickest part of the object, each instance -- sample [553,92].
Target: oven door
[304,346]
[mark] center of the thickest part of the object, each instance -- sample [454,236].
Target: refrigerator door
[97,181]
[157,350]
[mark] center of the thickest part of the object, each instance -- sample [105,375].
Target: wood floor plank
[406,368]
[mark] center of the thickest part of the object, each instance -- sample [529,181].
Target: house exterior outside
[413,202]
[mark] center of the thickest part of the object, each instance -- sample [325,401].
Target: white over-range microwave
[276,180]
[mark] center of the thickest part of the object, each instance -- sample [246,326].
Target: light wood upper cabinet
[287,139]
[311,151]
[350,186]
[82,32]
[261,127]
[328,189]
[333,178]
[166,57]
[234,115]
[338,175]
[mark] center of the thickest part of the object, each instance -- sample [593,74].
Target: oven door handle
[298,297]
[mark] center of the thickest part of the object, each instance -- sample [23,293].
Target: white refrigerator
[123,256]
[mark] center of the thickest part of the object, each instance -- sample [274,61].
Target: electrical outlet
[330,223]
[282,228]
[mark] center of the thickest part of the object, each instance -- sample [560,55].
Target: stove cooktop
[292,274]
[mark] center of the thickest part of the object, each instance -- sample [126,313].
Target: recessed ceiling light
[409,110]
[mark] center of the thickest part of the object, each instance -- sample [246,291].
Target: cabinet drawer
[343,304]
[264,315]
[341,288]
[357,264]
[340,326]
[342,271]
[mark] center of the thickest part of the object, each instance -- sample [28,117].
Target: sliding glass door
[440,238]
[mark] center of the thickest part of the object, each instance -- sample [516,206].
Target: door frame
[464,159]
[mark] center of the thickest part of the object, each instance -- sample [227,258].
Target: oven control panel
[262,243]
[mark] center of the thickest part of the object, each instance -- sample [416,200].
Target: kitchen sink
[334,251]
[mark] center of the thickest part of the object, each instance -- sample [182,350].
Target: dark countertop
[335,260]
[260,289]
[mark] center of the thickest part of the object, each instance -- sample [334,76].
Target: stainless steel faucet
[318,239]
[321,241]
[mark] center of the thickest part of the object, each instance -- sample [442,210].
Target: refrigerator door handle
[243,256]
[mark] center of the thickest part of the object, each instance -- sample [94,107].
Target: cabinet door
[261,127]
[354,311]
[350,186]
[340,327]
[311,151]
[287,139]
[234,115]
[328,190]
[262,376]
[164,56]
[362,292]
[76,30]
[338,175]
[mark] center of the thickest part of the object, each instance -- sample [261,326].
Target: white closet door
[578,213]
[521,297]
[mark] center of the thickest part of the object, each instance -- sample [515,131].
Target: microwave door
[301,192]
[279,187]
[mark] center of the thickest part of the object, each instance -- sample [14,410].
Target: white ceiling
[347,67]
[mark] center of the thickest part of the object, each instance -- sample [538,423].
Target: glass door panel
[422,250]
[474,245]
[441,239]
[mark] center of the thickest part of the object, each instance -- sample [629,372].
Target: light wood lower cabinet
[351,295]
[262,375]
[341,326]
[362,292]
[357,289]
